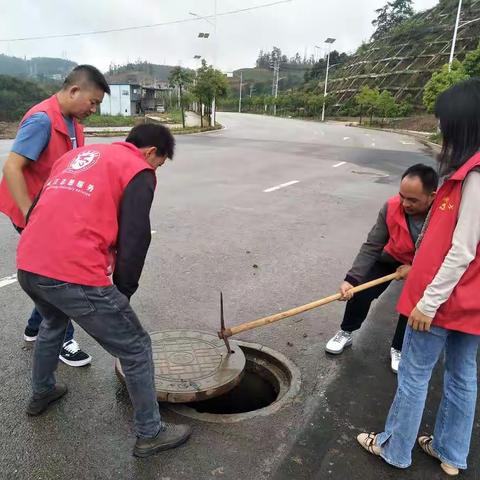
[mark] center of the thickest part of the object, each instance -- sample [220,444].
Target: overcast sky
[298,25]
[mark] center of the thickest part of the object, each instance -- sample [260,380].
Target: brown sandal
[425,443]
[367,441]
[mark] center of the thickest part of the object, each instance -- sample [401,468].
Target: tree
[386,105]
[401,10]
[314,103]
[17,96]
[471,64]
[180,78]
[382,22]
[367,100]
[391,15]
[210,84]
[441,81]
[187,99]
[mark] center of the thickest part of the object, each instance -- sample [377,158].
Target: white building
[124,99]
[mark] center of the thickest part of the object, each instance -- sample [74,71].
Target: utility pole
[329,41]
[276,72]
[214,112]
[276,88]
[240,95]
[273,81]
[454,40]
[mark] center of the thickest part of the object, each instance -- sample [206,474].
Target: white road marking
[338,164]
[153,232]
[407,143]
[8,280]
[373,144]
[278,187]
[346,138]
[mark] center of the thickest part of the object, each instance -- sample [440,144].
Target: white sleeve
[466,238]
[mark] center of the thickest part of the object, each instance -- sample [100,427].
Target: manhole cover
[191,366]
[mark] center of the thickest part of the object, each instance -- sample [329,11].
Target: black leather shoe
[169,436]
[39,405]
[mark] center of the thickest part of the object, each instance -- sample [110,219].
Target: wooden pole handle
[243,327]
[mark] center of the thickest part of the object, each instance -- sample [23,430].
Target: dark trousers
[36,319]
[357,308]
[106,315]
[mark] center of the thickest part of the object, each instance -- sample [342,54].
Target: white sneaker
[338,342]
[395,356]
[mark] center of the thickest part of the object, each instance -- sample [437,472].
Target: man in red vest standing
[46,132]
[390,246]
[92,220]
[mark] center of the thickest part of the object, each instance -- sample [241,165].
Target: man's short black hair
[88,74]
[426,174]
[153,135]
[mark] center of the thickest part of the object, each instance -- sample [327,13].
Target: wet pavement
[217,229]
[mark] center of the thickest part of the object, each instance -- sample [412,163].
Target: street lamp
[454,40]
[214,24]
[328,41]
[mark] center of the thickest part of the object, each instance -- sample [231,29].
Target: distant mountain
[260,79]
[42,68]
[17,95]
[141,72]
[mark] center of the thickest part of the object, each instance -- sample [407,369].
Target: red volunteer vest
[37,172]
[72,232]
[461,311]
[400,244]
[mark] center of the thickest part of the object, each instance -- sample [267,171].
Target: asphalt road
[213,222]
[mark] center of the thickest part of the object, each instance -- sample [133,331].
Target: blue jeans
[455,416]
[106,315]
[36,319]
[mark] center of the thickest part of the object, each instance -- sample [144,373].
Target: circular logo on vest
[83,161]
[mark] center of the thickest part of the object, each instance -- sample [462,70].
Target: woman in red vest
[441,299]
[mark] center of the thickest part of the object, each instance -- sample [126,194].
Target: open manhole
[269,382]
[192,366]
[196,377]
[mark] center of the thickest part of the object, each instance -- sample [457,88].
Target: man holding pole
[390,246]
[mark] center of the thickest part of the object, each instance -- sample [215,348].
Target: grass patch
[183,131]
[171,117]
[436,138]
[111,121]
[175,131]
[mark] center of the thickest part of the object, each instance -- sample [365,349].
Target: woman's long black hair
[458,110]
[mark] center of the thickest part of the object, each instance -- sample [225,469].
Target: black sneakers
[39,405]
[169,436]
[73,356]
[71,353]
[30,335]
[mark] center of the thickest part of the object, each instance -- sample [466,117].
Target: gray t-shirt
[415,224]
[71,130]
